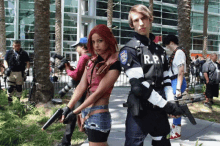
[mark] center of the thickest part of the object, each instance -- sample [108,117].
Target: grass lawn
[20,124]
[201,112]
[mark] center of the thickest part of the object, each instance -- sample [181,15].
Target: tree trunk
[110,14]
[44,89]
[205,26]
[184,11]
[2,29]
[58,31]
[151,5]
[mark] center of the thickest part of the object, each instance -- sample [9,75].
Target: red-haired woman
[99,84]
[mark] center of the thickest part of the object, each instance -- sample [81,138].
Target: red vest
[94,79]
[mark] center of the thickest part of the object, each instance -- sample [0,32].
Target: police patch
[123,57]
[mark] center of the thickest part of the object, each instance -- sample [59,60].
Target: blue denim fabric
[177,121]
[100,121]
[174,83]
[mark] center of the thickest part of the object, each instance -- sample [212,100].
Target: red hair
[104,32]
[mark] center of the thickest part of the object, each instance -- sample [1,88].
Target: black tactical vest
[152,61]
[15,62]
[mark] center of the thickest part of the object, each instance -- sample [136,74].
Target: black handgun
[182,103]
[56,116]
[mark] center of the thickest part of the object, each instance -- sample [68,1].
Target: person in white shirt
[177,68]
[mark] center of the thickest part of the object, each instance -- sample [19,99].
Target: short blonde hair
[140,9]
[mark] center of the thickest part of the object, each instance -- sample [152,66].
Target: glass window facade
[19,16]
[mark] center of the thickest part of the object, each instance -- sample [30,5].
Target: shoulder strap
[214,66]
[171,60]
[173,55]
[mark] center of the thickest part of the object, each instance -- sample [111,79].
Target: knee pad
[19,88]
[11,89]
[165,141]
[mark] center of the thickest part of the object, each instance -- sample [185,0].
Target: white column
[92,12]
[79,21]
[16,20]
[82,22]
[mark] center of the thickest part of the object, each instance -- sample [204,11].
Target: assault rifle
[56,116]
[182,103]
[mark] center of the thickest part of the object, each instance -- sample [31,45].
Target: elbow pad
[139,90]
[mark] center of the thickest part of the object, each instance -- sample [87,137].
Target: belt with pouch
[174,77]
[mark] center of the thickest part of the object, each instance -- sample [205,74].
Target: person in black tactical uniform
[211,73]
[16,61]
[146,66]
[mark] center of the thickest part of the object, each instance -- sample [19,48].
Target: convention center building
[80,16]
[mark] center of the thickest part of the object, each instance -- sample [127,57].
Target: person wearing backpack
[177,68]
[212,74]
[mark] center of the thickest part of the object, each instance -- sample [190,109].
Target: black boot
[10,100]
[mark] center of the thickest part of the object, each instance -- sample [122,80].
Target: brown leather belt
[95,112]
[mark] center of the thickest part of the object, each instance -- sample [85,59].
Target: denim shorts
[99,121]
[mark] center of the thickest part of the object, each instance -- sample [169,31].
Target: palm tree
[110,14]
[2,28]
[44,88]
[205,26]
[184,11]
[151,5]
[58,34]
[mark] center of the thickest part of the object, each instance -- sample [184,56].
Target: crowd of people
[206,72]
[155,82]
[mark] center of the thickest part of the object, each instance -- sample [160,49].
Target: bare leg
[98,144]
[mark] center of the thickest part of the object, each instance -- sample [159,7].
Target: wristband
[178,90]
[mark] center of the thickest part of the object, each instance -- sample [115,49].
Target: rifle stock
[56,115]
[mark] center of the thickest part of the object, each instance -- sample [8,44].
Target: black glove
[27,72]
[7,72]
[69,118]
[66,111]
[172,108]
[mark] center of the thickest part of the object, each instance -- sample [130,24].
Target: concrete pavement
[208,133]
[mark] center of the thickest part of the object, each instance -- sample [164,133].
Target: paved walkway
[207,132]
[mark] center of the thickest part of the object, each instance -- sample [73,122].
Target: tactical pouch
[133,104]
